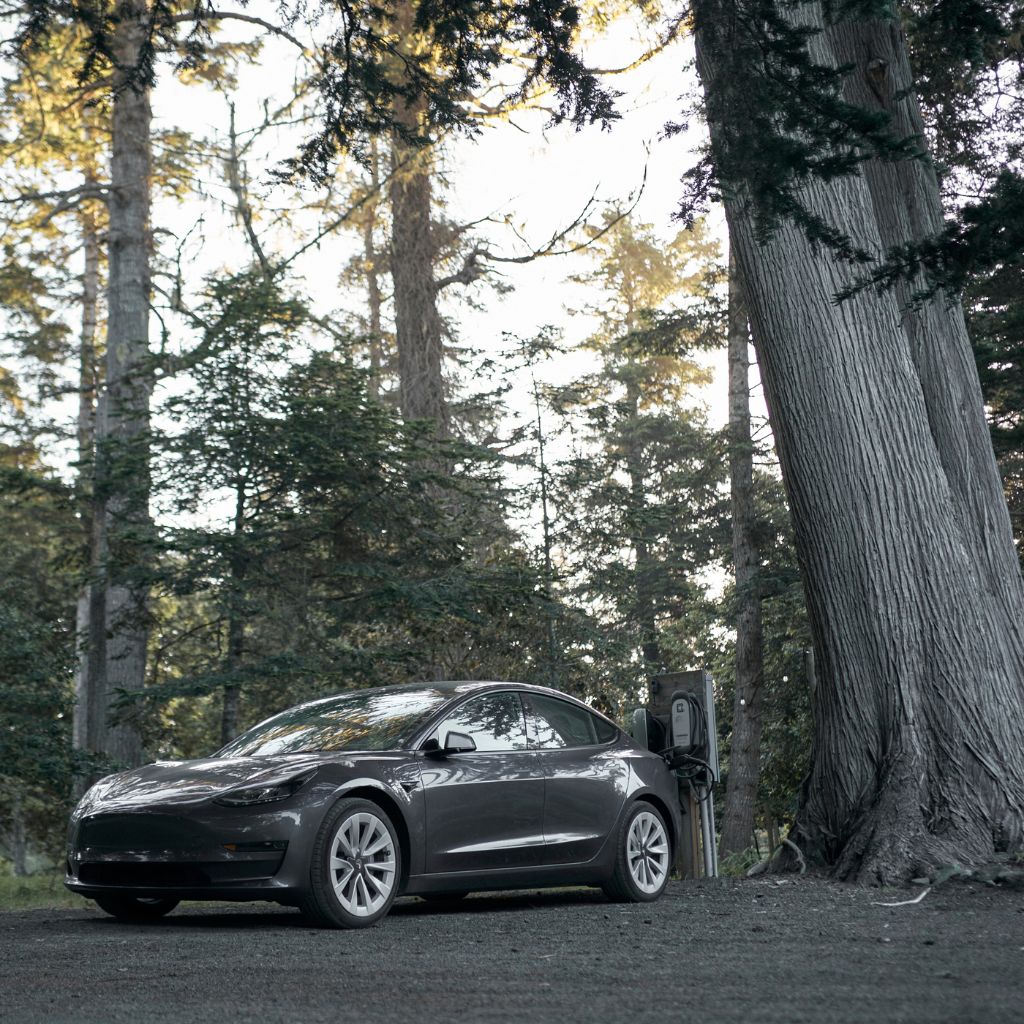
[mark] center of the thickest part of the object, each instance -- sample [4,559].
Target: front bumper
[210,852]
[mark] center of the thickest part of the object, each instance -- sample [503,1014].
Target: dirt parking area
[717,951]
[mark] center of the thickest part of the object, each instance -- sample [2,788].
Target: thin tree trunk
[918,756]
[748,699]
[19,839]
[124,419]
[418,328]
[554,659]
[908,208]
[371,273]
[236,624]
[645,571]
[86,713]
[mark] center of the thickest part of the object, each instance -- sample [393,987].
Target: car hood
[188,782]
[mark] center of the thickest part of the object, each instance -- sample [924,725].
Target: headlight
[264,793]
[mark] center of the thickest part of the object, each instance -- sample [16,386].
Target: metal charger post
[679,722]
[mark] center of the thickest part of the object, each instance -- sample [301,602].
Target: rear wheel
[136,908]
[355,867]
[643,857]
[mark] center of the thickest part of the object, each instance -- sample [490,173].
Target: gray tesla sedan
[339,805]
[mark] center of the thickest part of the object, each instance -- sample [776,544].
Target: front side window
[557,723]
[361,720]
[493,720]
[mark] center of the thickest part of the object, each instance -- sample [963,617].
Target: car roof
[461,687]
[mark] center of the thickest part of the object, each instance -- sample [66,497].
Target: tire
[135,908]
[355,867]
[443,897]
[643,857]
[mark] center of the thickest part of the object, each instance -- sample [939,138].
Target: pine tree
[636,502]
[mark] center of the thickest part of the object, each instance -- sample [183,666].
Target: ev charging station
[678,723]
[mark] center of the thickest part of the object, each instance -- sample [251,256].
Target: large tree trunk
[918,756]
[748,698]
[87,713]
[908,208]
[124,416]
[418,328]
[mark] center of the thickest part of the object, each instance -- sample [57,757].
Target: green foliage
[995,314]
[435,55]
[36,600]
[321,542]
[736,865]
[36,892]
[704,635]
[639,498]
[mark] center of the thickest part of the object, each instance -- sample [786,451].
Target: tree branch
[200,16]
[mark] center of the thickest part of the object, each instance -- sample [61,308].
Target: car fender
[402,796]
[658,785]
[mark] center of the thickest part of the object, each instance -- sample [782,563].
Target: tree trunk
[646,611]
[917,756]
[372,274]
[554,659]
[748,699]
[87,697]
[124,420]
[908,208]
[236,624]
[418,328]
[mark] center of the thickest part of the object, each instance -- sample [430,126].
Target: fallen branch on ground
[904,903]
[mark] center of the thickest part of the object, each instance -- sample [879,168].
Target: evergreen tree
[638,500]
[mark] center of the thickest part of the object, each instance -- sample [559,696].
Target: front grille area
[134,874]
[141,831]
[151,851]
[182,875]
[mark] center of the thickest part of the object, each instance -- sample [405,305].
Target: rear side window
[557,723]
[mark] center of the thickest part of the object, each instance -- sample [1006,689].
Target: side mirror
[454,743]
[458,743]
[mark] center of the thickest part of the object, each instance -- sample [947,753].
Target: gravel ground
[714,952]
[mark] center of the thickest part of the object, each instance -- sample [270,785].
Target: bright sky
[540,177]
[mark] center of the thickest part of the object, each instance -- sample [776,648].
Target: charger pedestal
[698,854]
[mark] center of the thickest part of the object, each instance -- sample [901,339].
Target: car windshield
[361,720]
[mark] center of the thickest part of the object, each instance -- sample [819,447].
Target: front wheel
[355,867]
[643,857]
[135,908]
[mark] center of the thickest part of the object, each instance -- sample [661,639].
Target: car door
[585,777]
[484,809]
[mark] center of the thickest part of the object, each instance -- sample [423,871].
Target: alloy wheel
[647,852]
[363,862]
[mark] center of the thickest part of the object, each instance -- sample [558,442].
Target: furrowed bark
[125,414]
[87,697]
[908,208]
[918,756]
[418,328]
[372,276]
[748,698]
